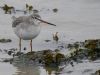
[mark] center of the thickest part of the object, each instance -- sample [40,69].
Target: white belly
[27,32]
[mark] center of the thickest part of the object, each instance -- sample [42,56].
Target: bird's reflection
[26,67]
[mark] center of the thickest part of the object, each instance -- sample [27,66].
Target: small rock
[47,40]
[5,40]
[10,52]
[55,10]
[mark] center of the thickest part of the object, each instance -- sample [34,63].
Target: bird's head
[37,17]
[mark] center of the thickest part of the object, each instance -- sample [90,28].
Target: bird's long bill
[45,21]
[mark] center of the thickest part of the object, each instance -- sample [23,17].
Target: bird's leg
[31,45]
[20,44]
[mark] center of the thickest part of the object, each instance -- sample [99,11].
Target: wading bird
[27,27]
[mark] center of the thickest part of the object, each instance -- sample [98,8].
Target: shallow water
[25,66]
[22,66]
[26,69]
[36,70]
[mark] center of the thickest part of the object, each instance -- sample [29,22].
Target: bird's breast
[27,32]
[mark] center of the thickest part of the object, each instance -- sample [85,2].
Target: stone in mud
[5,40]
[54,59]
[47,40]
[32,55]
[59,58]
[47,52]
[55,10]
[48,59]
[10,52]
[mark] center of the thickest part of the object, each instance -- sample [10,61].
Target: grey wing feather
[17,22]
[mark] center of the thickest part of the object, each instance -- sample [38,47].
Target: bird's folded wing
[16,22]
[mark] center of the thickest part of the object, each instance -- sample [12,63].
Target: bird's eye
[33,17]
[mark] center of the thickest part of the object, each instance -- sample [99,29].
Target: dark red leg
[31,45]
[20,44]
